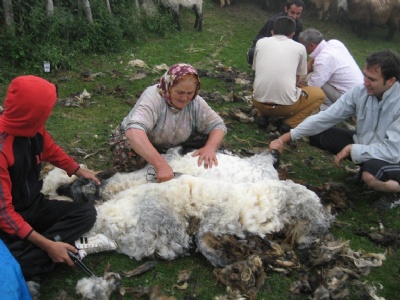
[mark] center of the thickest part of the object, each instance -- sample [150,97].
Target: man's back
[277,61]
[335,65]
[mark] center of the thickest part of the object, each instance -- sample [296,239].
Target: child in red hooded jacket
[30,224]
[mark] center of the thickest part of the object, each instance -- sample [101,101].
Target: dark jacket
[265,31]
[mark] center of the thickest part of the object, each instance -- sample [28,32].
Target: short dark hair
[298,3]
[284,25]
[389,62]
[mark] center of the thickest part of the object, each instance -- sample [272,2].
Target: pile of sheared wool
[240,196]
[99,288]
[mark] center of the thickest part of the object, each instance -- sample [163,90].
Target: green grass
[227,34]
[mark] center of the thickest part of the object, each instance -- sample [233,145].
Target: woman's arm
[141,144]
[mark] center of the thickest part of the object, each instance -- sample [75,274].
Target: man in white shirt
[331,66]
[278,64]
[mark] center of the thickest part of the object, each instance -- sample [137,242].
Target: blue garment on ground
[12,283]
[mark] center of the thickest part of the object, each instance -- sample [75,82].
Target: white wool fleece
[239,196]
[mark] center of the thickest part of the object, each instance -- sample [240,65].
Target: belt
[271,105]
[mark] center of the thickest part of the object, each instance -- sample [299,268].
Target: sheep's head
[85,190]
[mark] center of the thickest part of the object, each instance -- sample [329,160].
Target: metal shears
[152,174]
[77,261]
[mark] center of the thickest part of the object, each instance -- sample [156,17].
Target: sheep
[364,14]
[323,7]
[223,2]
[195,5]
[341,9]
[241,196]
[147,6]
[275,4]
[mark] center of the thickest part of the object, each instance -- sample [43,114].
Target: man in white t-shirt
[331,66]
[278,64]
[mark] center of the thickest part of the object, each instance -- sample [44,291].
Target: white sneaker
[95,244]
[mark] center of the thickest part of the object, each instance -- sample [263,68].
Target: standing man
[38,232]
[374,146]
[331,66]
[278,64]
[293,9]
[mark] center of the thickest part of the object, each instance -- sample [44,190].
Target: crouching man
[279,62]
[31,224]
[374,146]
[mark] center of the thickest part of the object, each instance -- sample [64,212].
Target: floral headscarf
[172,77]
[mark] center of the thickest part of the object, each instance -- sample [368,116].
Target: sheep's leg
[198,24]
[327,7]
[222,3]
[177,20]
[392,31]
[174,10]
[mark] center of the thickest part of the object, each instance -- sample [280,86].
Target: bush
[66,33]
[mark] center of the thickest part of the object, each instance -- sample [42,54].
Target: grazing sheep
[275,4]
[146,6]
[223,2]
[323,8]
[241,196]
[365,14]
[341,10]
[195,5]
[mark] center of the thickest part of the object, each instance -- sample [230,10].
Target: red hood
[28,104]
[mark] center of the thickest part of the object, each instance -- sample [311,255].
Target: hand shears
[152,174]
[77,261]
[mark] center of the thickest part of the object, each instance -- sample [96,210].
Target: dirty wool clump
[99,288]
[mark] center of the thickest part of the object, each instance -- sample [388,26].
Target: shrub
[56,38]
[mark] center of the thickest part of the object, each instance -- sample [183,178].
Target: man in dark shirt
[293,9]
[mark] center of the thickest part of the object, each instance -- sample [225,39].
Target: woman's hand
[207,156]
[141,144]
[164,173]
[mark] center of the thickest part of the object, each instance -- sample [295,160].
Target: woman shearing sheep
[168,114]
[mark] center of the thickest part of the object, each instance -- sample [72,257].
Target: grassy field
[227,34]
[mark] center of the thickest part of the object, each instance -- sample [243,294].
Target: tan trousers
[294,114]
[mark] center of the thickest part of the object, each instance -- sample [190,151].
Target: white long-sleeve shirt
[378,123]
[334,64]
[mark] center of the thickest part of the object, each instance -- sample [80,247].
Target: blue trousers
[12,282]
